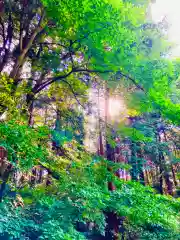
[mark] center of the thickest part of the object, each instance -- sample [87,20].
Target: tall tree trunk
[21,58]
[133,171]
[46,115]
[112,230]
[174,175]
[171,179]
[100,146]
[31,117]
[161,172]
[141,176]
[140,167]
[7,40]
[147,178]
[5,171]
[169,182]
[165,173]
[101,149]
[168,171]
[4,61]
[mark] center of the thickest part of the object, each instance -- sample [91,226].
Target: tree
[53,46]
[54,188]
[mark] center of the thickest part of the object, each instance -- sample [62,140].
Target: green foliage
[157,78]
[6,100]
[77,197]
[26,146]
[78,194]
[132,133]
[77,39]
[143,207]
[162,102]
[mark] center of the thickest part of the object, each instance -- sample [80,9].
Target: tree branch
[110,71]
[73,92]
[56,44]
[74,70]
[50,81]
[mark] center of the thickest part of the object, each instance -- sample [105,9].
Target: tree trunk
[147,178]
[46,116]
[169,182]
[21,58]
[140,167]
[161,172]
[101,149]
[174,175]
[133,171]
[141,177]
[112,230]
[6,170]
[4,60]
[168,171]
[31,117]
[100,146]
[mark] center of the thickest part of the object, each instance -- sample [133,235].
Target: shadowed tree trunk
[140,163]
[174,175]
[133,163]
[112,219]
[165,172]
[161,189]
[169,182]
[5,170]
[169,176]
[30,111]
[24,50]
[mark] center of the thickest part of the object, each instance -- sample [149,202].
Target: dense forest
[89,122]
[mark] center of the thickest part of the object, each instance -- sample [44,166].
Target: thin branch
[47,43]
[132,80]
[50,81]
[74,70]
[73,92]
[110,71]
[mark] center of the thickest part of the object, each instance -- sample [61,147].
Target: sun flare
[116,109]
